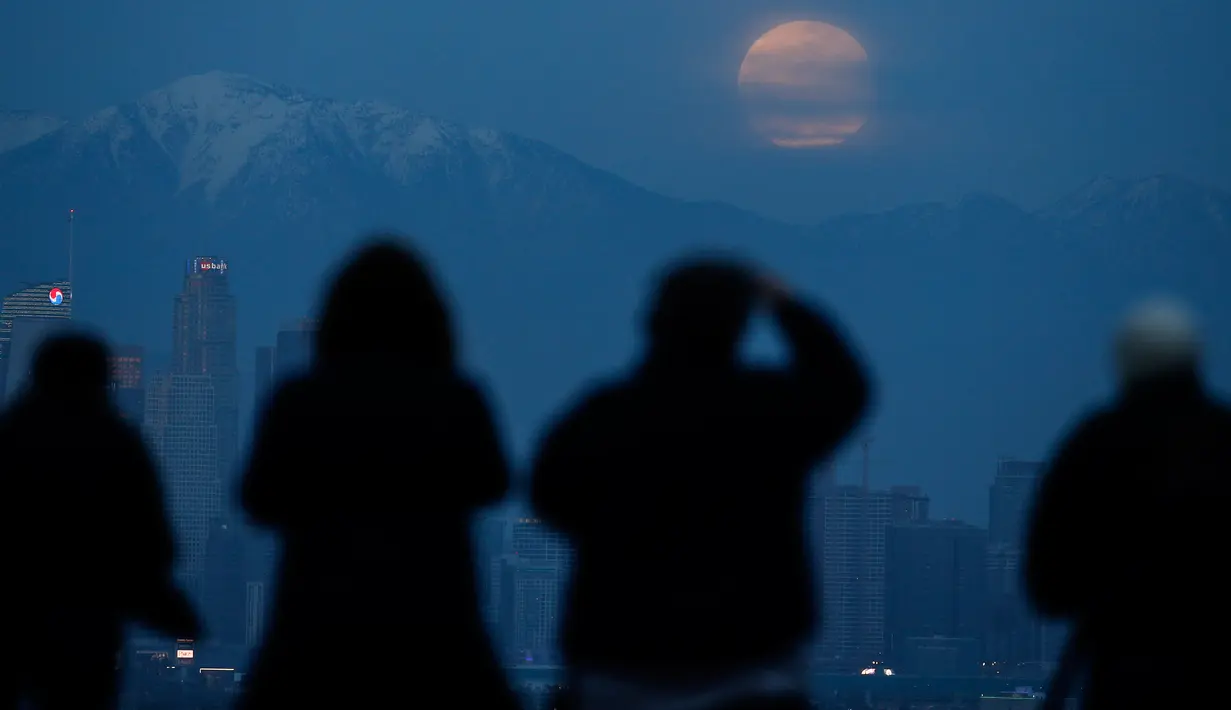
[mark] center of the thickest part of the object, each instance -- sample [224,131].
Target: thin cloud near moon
[806,84]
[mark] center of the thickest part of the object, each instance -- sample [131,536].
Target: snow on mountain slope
[229,143]
[217,126]
[18,128]
[1156,204]
[983,320]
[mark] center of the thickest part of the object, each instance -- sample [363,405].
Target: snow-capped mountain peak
[210,124]
[18,128]
[217,126]
[1109,202]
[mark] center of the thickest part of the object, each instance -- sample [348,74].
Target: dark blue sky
[1026,99]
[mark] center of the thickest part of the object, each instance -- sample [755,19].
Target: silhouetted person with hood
[89,544]
[1129,526]
[369,468]
[683,488]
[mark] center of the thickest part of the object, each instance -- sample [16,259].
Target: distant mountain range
[985,322]
[17,128]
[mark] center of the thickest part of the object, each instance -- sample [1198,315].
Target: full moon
[806,85]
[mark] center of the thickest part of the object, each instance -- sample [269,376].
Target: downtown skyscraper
[191,412]
[849,525]
[541,563]
[181,429]
[203,332]
[294,347]
[1017,639]
[128,382]
[291,355]
[935,597]
[27,317]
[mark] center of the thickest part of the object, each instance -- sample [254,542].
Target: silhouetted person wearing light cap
[89,546]
[370,468]
[1128,531]
[683,487]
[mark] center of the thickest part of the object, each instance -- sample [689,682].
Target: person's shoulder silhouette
[690,463]
[383,394]
[383,446]
[70,450]
[691,381]
[1163,432]
[1138,588]
[77,472]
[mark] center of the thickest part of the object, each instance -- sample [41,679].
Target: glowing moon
[806,85]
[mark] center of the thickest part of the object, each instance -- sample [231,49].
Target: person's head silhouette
[71,366]
[700,312]
[385,302]
[1158,339]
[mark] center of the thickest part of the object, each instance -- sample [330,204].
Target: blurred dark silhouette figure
[683,488]
[1125,521]
[89,545]
[370,467]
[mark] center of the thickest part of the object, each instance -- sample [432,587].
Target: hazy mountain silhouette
[17,128]
[984,320]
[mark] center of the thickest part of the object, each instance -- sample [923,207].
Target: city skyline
[961,618]
[973,203]
[294,357]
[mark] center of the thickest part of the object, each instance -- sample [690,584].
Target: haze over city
[976,192]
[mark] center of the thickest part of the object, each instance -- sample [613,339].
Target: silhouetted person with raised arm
[683,487]
[1129,526]
[89,545]
[369,468]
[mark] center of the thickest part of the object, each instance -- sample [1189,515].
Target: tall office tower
[224,588]
[823,486]
[489,550]
[181,429]
[1016,638]
[128,382]
[261,547]
[263,381]
[853,521]
[909,504]
[256,604]
[203,344]
[543,560]
[293,348]
[291,355]
[538,596]
[1013,632]
[935,596]
[505,592]
[1009,500]
[261,553]
[534,541]
[51,299]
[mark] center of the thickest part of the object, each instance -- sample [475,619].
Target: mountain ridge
[213,126]
[983,321]
[18,128]
[396,139]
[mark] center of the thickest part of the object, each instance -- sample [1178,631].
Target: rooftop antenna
[867,464]
[71,284]
[867,530]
